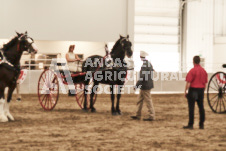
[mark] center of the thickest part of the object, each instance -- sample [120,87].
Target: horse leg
[18,96]
[7,105]
[85,96]
[113,112]
[93,92]
[118,100]
[3,117]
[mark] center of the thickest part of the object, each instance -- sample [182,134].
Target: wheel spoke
[223,101]
[48,80]
[45,80]
[79,92]
[217,104]
[52,94]
[213,88]
[42,86]
[53,98]
[213,97]
[43,98]
[54,90]
[48,102]
[214,102]
[220,104]
[82,100]
[40,95]
[45,102]
[216,84]
[45,74]
[51,105]
[80,96]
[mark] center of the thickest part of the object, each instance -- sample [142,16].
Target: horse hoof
[93,110]
[119,113]
[10,117]
[85,109]
[3,119]
[18,99]
[114,113]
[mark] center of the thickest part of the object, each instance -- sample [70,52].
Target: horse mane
[116,45]
[10,43]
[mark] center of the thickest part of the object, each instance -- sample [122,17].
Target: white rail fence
[164,82]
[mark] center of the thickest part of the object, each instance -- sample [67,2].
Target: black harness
[15,68]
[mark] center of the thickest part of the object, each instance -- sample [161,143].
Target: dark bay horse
[100,72]
[10,56]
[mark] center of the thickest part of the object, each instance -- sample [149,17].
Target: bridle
[27,47]
[123,39]
[121,42]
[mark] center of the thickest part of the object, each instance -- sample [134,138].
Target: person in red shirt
[196,80]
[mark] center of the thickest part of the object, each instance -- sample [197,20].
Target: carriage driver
[196,80]
[145,83]
[72,58]
[73,64]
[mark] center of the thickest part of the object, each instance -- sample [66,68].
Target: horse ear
[127,36]
[25,32]
[120,37]
[106,49]
[17,33]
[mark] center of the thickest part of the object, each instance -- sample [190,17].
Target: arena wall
[219,55]
[77,20]
[103,20]
[204,26]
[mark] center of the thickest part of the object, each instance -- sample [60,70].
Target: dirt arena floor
[67,127]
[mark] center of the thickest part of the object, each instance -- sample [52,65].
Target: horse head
[122,48]
[26,43]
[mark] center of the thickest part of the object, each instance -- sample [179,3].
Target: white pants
[75,66]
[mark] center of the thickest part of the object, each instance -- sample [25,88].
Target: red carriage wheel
[48,89]
[80,97]
[216,92]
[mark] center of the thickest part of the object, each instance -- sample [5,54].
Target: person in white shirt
[72,59]
[73,64]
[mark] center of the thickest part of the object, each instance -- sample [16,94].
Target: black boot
[188,127]
[135,117]
[201,126]
[71,92]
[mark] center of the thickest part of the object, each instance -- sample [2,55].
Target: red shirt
[197,76]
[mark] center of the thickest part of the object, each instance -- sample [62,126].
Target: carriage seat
[62,67]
